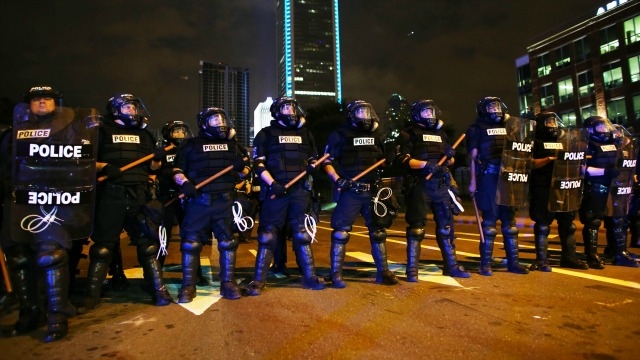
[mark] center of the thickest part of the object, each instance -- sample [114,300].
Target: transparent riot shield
[513,182]
[567,179]
[621,187]
[54,174]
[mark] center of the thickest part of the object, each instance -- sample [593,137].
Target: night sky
[454,52]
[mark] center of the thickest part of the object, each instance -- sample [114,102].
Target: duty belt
[490,169]
[358,187]
[597,188]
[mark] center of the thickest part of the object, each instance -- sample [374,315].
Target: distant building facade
[308,41]
[228,87]
[589,68]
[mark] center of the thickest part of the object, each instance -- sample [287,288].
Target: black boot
[190,262]
[486,251]
[383,275]
[451,266]
[541,238]
[58,305]
[511,249]
[591,248]
[568,243]
[118,281]
[337,259]
[23,277]
[621,257]
[414,239]
[228,287]
[263,260]
[153,274]
[97,273]
[304,256]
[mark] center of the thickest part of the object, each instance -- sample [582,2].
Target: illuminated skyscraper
[228,88]
[308,34]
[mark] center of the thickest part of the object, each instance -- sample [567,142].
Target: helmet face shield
[215,122]
[41,106]
[494,109]
[129,110]
[362,115]
[176,131]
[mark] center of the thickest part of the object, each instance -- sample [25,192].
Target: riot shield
[567,179]
[621,186]
[54,174]
[513,182]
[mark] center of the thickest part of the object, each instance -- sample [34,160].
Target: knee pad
[415,233]
[51,255]
[100,253]
[618,222]
[490,231]
[593,223]
[378,236]
[509,231]
[190,246]
[444,229]
[340,236]
[541,229]
[267,236]
[301,237]
[230,243]
[147,249]
[19,257]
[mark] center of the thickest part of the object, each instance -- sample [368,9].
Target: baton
[444,158]
[203,183]
[369,169]
[475,208]
[303,173]
[5,272]
[136,163]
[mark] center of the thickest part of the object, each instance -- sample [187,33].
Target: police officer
[37,253]
[353,147]
[281,151]
[601,171]
[485,142]
[419,148]
[209,208]
[123,139]
[549,130]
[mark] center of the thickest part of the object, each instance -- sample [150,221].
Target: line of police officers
[50,160]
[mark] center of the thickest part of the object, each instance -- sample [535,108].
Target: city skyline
[453,52]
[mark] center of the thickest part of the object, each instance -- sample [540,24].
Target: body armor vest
[543,149]
[166,186]
[491,142]
[120,146]
[208,157]
[359,150]
[428,145]
[287,152]
[602,156]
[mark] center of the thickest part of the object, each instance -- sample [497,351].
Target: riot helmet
[175,132]
[426,114]
[215,122]
[492,109]
[361,115]
[42,100]
[287,111]
[128,110]
[599,128]
[548,126]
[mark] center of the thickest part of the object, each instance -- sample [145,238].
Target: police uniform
[487,136]
[283,150]
[353,149]
[545,146]
[424,144]
[209,210]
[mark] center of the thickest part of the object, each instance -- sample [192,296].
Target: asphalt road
[565,314]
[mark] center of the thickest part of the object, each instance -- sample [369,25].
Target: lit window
[588,111]
[632,30]
[546,96]
[565,90]
[636,106]
[612,75]
[544,66]
[585,83]
[634,68]
[568,118]
[608,40]
[616,111]
[563,57]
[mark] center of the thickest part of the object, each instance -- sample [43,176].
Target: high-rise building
[308,36]
[261,116]
[590,68]
[228,88]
